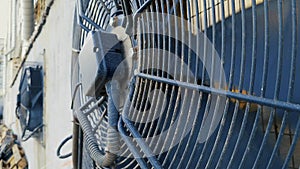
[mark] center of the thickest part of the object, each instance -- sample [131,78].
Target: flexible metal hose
[113,138]
[95,153]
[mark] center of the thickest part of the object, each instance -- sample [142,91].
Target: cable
[61,145]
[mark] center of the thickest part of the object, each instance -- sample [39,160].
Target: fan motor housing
[99,58]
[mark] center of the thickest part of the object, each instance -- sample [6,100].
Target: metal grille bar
[240,96]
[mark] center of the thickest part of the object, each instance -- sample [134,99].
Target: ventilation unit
[29,108]
[198,84]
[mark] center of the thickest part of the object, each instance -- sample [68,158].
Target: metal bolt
[96,49]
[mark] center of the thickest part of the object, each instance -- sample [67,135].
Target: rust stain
[39,8]
[67,163]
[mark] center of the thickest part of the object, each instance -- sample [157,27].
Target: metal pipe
[75,143]
[28,19]
[13,25]
[13,18]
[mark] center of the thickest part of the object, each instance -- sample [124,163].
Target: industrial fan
[29,109]
[186,84]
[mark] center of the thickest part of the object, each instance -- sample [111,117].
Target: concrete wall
[52,49]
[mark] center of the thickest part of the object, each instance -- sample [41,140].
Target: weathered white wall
[52,49]
[3,20]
